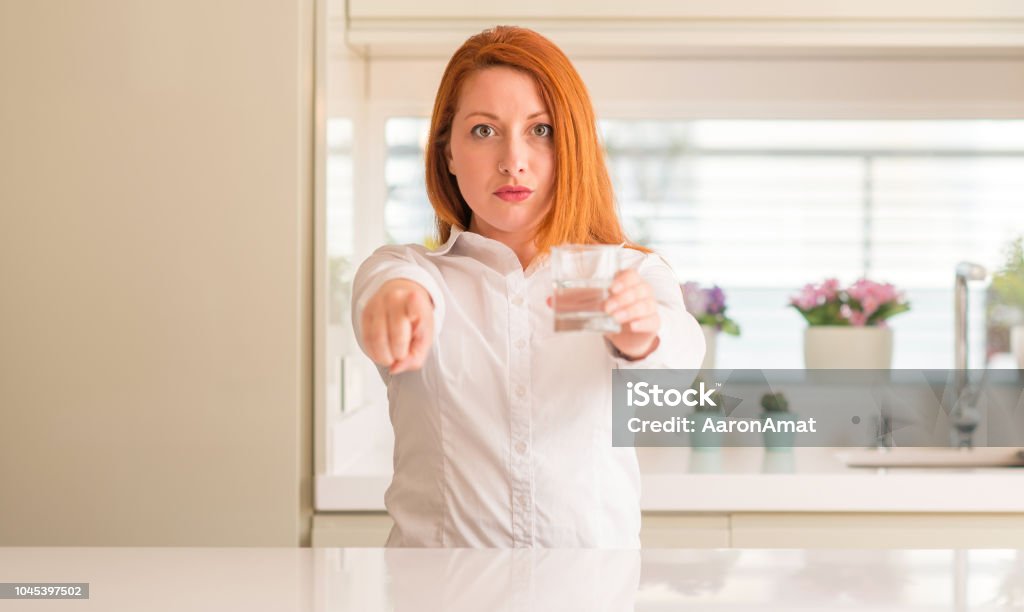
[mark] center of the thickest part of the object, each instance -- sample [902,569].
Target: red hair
[583,211]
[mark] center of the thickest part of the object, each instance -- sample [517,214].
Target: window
[762,207]
[408,215]
[339,247]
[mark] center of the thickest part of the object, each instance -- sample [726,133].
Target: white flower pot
[1017,344]
[829,347]
[710,341]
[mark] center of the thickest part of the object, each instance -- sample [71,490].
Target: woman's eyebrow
[496,118]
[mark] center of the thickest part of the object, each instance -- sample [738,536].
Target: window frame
[379,97]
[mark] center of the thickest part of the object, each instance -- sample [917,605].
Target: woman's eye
[542,130]
[483,131]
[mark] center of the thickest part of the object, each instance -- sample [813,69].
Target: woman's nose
[514,161]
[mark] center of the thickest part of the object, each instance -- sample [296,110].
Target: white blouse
[503,437]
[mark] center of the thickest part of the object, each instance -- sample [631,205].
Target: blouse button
[520,447]
[517,301]
[520,390]
[520,344]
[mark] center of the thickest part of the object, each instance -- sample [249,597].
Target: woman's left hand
[631,302]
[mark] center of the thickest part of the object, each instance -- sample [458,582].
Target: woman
[503,427]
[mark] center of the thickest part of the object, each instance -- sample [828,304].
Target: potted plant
[708,306]
[847,327]
[777,408]
[1006,306]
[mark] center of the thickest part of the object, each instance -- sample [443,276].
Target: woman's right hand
[398,325]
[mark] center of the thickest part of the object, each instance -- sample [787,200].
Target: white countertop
[747,480]
[464,580]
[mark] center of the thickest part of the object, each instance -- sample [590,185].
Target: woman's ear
[448,159]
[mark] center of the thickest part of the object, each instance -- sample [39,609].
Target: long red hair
[583,211]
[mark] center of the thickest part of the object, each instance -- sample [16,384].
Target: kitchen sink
[914,457]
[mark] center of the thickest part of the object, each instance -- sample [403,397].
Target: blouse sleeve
[681,341]
[388,263]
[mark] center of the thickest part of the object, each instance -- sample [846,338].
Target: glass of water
[583,275]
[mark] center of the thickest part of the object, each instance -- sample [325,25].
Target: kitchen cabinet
[676,530]
[350,529]
[876,530]
[745,497]
[384,28]
[682,9]
[756,530]
[658,530]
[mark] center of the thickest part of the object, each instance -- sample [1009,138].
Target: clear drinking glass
[583,275]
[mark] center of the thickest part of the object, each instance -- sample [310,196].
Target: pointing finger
[375,337]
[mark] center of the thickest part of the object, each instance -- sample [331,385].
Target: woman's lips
[513,194]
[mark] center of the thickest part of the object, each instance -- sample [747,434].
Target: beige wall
[155,268]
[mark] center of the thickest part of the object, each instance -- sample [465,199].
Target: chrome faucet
[965,271]
[962,408]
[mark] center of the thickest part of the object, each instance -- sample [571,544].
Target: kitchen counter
[748,480]
[429,580]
